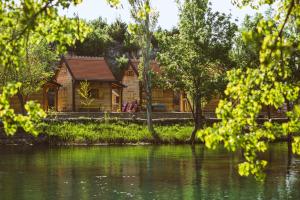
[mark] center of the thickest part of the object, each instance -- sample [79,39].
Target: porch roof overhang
[52,84]
[119,85]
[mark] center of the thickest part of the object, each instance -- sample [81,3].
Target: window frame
[94,93]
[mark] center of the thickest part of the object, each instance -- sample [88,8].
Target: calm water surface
[142,172]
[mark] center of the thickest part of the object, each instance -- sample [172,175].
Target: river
[142,172]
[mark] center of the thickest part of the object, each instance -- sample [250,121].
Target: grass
[117,132]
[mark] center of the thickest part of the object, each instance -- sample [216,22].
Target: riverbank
[84,131]
[101,133]
[114,133]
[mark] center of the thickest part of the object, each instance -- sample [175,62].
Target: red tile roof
[89,68]
[154,65]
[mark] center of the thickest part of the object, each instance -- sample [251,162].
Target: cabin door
[176,101]
[51,99]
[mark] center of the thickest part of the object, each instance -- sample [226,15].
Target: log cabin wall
[65,92]
[15,104]
[101,95]
[211,105]
[38,97]
[165,97]
[115,103]
[116,99]
[184,107]
[132,90]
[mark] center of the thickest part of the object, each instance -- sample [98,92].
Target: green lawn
[118,132]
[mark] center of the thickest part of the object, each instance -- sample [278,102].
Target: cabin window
[94,93]
[130,73]
[117,100]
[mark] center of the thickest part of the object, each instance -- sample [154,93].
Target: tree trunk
[289,142]
[290,153]
[198,119]
[198,165]
[191,107]
[149,107]
[288,106]
[269,112]
[22,103]
[147,76]
[289,136]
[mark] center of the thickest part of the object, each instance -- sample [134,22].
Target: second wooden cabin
[162,99]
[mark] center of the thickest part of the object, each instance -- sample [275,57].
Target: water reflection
[142,172]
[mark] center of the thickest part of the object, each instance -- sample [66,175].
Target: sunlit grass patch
[118,132]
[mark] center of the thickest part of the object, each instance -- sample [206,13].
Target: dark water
[142,172]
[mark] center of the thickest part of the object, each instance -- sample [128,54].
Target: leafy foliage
[105,40]
[85,93]
[114,2]
[12,121]
[272,83]
[95,42]
[145,19]
[246,52]
[111,41]
[195,59]
[23,23]
[115,132]
[36,67]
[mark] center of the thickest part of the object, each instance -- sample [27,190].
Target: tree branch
[292,4]
[47,5]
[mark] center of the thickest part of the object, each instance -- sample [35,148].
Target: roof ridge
[85,57]
[138,60]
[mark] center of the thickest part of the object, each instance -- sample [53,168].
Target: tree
[96,42]
[246,52]
[111,41]
[23,22]
[145,22]
[35,68]
[195,59]
[272,83]
[142,30]
[85,93]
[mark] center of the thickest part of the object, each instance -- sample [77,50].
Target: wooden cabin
[162,99]
[209,108]
[167,99]
[46,97]
[105,89]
